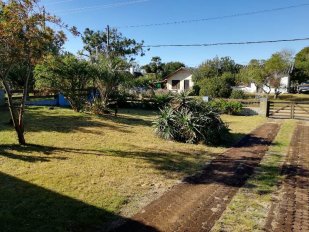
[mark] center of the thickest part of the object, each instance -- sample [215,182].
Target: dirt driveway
[199,201]
[290,208]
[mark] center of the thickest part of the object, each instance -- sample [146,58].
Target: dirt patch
[290,208]
[199,201]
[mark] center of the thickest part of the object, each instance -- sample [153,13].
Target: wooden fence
[288,110]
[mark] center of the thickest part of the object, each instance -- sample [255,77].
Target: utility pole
[44,18]
[108,38]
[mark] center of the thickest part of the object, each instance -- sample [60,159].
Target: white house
[252,88]
[179,81]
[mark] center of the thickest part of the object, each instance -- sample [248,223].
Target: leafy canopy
[96,42]
[160,69]
[254,72]
[301,69]
[215,68]
[67,74]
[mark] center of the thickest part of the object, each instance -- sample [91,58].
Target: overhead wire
[216,17]
[227,43]
[111,5]
[57,2]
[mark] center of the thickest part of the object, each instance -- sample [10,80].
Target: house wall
[182,76]
[284,87]
[247,89]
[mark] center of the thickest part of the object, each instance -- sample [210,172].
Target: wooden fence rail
[289,110]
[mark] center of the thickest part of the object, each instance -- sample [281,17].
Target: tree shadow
[29,208]
[37,120]
[236,165]
[296,176]
[136,118]
[236,140]
[9,151]
[165,161]
[130,121]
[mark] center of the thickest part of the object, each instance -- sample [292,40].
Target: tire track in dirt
[290,211]
[196,204]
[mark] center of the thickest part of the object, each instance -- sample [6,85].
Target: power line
[226,43]
[57,2]
[217,17]
[97,7]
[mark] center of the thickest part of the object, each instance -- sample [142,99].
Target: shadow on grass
[41,119]
[269,176]
[29,208]
[165,161]
[235,166]
[27,151]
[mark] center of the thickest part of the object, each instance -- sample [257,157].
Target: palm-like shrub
[190,121]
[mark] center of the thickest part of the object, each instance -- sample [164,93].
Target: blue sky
[285,24]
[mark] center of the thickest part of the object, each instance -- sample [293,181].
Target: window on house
[186,84]
[176,84]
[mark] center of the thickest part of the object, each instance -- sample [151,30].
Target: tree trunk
[23,101]
[14,115]
[103,94]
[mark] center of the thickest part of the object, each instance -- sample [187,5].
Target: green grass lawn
[80,171]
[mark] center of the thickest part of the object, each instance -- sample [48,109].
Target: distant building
[252,88]
[180,80]
[135,73]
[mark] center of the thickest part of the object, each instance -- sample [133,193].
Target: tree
[155,67]
[215,77]
[113,44]
[278,66]
[26,35]
[215,68]
[67,74]
[111,54]
[301,67]
[215,87]
[254,72]
[16,77]
[109,74]
[267,73]
[172,67]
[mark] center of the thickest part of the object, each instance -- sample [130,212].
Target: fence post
[292,110]
[264,107]
[2,97]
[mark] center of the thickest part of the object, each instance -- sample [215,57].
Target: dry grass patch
[80,170]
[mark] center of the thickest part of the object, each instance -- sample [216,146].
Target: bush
[215,87]
[190,122]
[237,94]
[227,107]
[122,95]
[96,107]
[162,97]
[196,90]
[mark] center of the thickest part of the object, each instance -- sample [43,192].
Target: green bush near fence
[238,94]
[227,107]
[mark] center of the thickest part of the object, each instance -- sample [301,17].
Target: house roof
[177,71]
